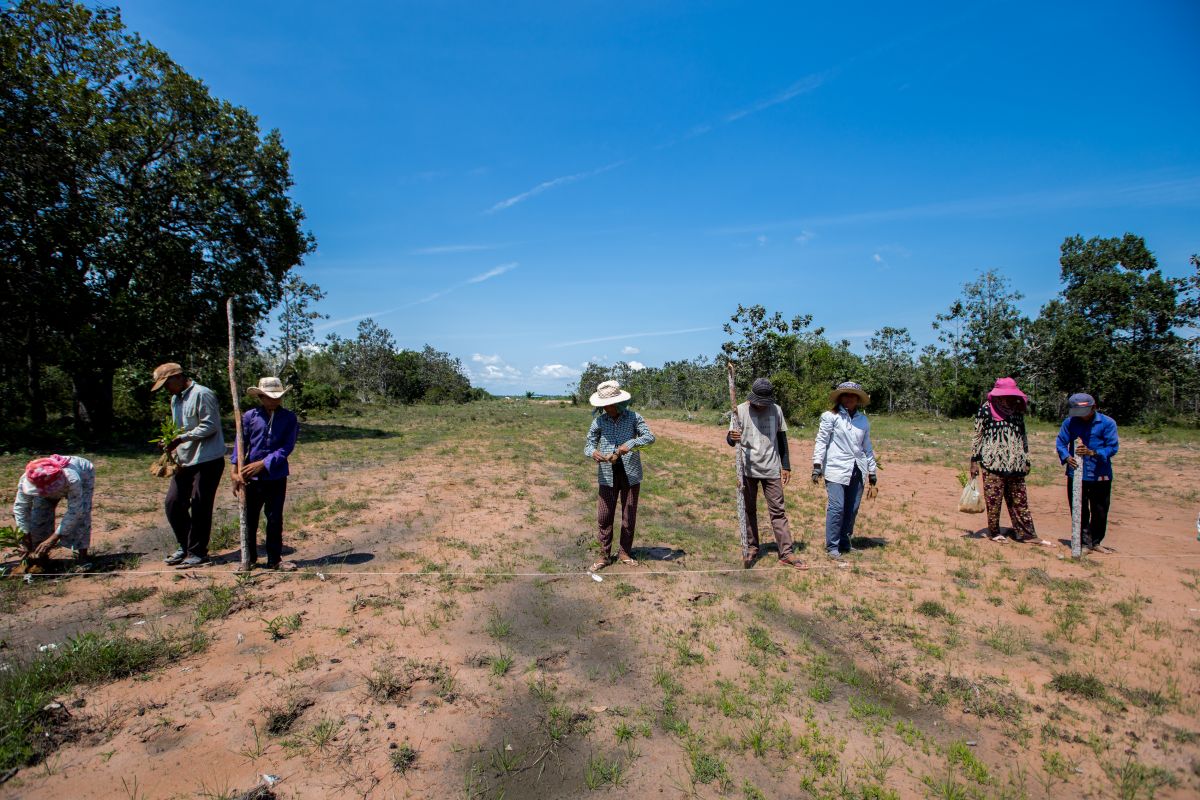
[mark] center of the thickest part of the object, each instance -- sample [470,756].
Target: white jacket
[842,443]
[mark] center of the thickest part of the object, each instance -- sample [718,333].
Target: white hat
[271,387]
[609,393]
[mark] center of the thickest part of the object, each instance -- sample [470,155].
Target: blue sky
[533,185]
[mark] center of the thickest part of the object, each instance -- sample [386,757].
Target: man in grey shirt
[200,453]
[762,430]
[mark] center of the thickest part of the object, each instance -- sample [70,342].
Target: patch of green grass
[1005,639]
[602,771]
[705,767]
[1079,684]
[501,664]
[761,640]
[961,755]
[403,758]
[178,598]
[26,688]
[282,626]
[498,627]
[1134,780]
[216,602]
[129,595]
[932,608]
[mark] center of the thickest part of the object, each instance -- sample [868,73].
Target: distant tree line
[1118,329]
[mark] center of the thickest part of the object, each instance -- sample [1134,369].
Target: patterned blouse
[1000,446]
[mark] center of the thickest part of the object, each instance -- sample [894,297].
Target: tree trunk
[37,401]
[93,400]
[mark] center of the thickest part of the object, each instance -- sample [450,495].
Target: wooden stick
[239,442]
[1077,504]
[739,467]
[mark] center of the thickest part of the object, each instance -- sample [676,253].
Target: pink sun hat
[46,473]
[1007,387]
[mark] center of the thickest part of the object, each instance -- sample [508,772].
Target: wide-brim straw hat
[609,393]
[1007,387]
[850,387]
[164,371]
[271,387]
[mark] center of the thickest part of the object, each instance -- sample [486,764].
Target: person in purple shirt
[270,433]
[1089,437]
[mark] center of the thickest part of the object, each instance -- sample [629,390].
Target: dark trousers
[189,504]
[264,497]
[772,489]
[1093,522]
[611,498]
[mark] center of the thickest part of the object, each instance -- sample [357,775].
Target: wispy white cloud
[447,249]
[878,259]
[493,272]
[855,334]
[1182,191]
[631,336]
[803,86]
[554,183]
[635,365]
[629,351]
[429,298]
[805,237]
[556,371]
[480,358]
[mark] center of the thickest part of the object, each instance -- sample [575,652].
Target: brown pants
[772,489]
[1009,489]
[606,509]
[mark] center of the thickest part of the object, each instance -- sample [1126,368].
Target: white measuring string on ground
[634,573]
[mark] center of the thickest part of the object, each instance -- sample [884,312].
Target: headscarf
[46,474]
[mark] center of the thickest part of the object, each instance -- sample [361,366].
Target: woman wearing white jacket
[843,455]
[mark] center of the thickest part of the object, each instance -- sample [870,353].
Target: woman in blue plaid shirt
[612,442]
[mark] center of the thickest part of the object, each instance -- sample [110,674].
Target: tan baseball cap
[164,371]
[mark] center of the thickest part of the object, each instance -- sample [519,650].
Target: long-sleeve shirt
[34,511]
[270,438]
[764,440]
[606,435]
[197,411]
[1100,435]
[844,442]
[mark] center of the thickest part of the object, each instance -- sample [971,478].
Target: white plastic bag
[972,501]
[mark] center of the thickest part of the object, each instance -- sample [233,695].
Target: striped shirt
[607,434]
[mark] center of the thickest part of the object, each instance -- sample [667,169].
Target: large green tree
[132,202]
[1110,332]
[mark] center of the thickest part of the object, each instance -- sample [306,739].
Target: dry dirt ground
[441,639]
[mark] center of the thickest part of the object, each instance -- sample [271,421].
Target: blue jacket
[269,440]
[1100,435]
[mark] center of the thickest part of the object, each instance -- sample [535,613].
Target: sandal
[999,537]
[600,564]
[792,561]
[627,559]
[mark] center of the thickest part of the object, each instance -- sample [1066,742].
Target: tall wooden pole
[1077,503]
[739,466]
[239,442]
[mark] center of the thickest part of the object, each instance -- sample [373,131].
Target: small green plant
[129,595]
[216,603]
[760,639]
[11,538]
[282,626]
[403,758]
[498,627]
[601,771]
[1079,684]
[322,734]
[501,664]
[961,755]
[932,608]
[706,768]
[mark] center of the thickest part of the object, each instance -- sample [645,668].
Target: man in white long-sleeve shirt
[843,455]
[200,452]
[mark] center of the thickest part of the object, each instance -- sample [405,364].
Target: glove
[816,473]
